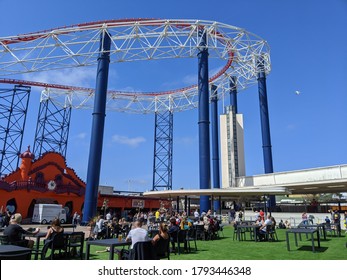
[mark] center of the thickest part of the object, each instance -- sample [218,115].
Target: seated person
[173,229]
[161,239]
[185,224]
[137,234]
[327,220]
[162,234]
[115,227]
[259,221]
[100,228]
[53,230]
[14,232]
[263,228]
[206,220]
[281,225]
[287,224]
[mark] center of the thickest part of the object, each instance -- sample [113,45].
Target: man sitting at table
[137,234]
[262,229]
[14,232]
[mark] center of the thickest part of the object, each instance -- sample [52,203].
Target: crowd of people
[165,224]
[111,226]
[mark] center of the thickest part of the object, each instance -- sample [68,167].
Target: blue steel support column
[204,123]
[215,144]
[94,162]
[265,124]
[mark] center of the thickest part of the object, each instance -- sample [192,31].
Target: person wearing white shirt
[196,215]
[137,234]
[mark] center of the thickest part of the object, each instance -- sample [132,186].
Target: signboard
[138,203]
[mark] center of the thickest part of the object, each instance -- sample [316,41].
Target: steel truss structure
[13,111]
[237,50]
[52,128]
[162,166]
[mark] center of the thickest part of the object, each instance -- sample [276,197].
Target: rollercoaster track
[132,40]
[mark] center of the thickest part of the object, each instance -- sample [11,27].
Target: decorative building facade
[48,179]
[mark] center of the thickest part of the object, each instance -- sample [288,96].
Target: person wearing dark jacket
[14,232]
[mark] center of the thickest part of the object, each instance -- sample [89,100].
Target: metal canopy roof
[226,192]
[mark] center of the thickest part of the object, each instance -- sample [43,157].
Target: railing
[40,187]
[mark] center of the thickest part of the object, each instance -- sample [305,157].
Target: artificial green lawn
[225,248]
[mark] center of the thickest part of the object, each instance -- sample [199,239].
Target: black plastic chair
[191,236]
[239,233]
[200,232]
[162,249]
[57,243]
[182,239]
[142,250]
[271,233]
[329,228]
[75,244]
[18,256]
[4,240]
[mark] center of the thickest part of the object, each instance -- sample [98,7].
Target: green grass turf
[225,248]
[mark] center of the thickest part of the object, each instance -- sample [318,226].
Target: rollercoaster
[242,59]
[238,51]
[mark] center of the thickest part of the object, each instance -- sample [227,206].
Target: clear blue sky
[308,42]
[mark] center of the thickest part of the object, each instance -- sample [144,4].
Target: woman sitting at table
[53,230]
[14,232]
[161,240]
[162,234]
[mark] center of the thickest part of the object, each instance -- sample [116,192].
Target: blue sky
[308,44]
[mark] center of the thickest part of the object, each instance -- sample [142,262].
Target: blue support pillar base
[265,126]
[215,144]
[94,162]
[204,121]
[205,204]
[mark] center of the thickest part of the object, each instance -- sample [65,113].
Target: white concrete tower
[231,147]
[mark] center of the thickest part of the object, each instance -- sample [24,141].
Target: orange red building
[48,179]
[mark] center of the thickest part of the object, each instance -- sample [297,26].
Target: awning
[225,192]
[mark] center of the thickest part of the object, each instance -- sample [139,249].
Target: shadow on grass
[309,248]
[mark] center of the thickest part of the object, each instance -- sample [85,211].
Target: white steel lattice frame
[238,51]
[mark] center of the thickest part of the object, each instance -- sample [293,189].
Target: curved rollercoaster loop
[134,40]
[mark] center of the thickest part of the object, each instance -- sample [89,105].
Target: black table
[250,227]
[111,242]
[37,238]
[13,249]
[308,231]
[318,226]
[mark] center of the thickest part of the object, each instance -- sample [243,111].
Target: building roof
[225,192]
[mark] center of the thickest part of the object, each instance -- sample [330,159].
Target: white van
[45,213]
